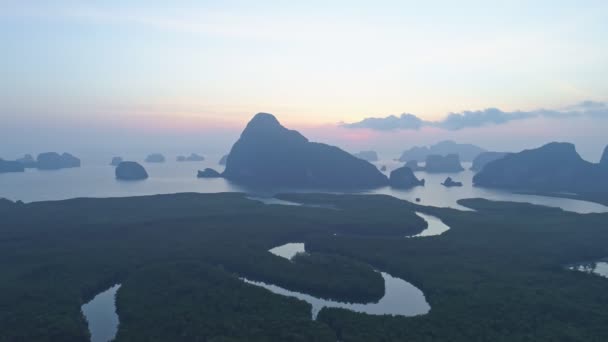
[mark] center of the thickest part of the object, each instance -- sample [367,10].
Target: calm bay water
[96,179]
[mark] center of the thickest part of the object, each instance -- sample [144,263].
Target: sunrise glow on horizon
[203,67]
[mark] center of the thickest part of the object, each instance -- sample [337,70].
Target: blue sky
[202,66]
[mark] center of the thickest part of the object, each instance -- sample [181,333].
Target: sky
[110,76]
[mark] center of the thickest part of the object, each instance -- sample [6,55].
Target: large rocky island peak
[554,167]
[268,154]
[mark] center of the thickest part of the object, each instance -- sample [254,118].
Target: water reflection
[101,316]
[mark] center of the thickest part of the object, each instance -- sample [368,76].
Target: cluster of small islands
[268,154]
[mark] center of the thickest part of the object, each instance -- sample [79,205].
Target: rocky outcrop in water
[11,166]
[129,170]
[193,157]
[55,161]
[484,158]
[555,167]
[115,161]
[370,156]
[155,158]
[208,173]
[268,154]
[467,152]
[441,164]
[404,178]
[383,168]
[449,182]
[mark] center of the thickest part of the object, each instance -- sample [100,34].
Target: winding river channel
[400,297]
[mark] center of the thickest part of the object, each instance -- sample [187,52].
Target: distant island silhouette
[435,163]
[438,164]
[193,157]
[44,161]
[208,173]
[55,161]
[467,152]
[115,161]
[28,161]
[11,166]
[370,156]
[554,167]
[449,182]
[413,165]
[155,158]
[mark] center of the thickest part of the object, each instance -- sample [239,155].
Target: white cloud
[490,116]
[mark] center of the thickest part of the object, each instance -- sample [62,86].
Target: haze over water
[96,179]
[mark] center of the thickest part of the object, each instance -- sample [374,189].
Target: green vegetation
[329,273]
[393,217]
[596,197]
[57,255]
[497,275]
[203,303]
